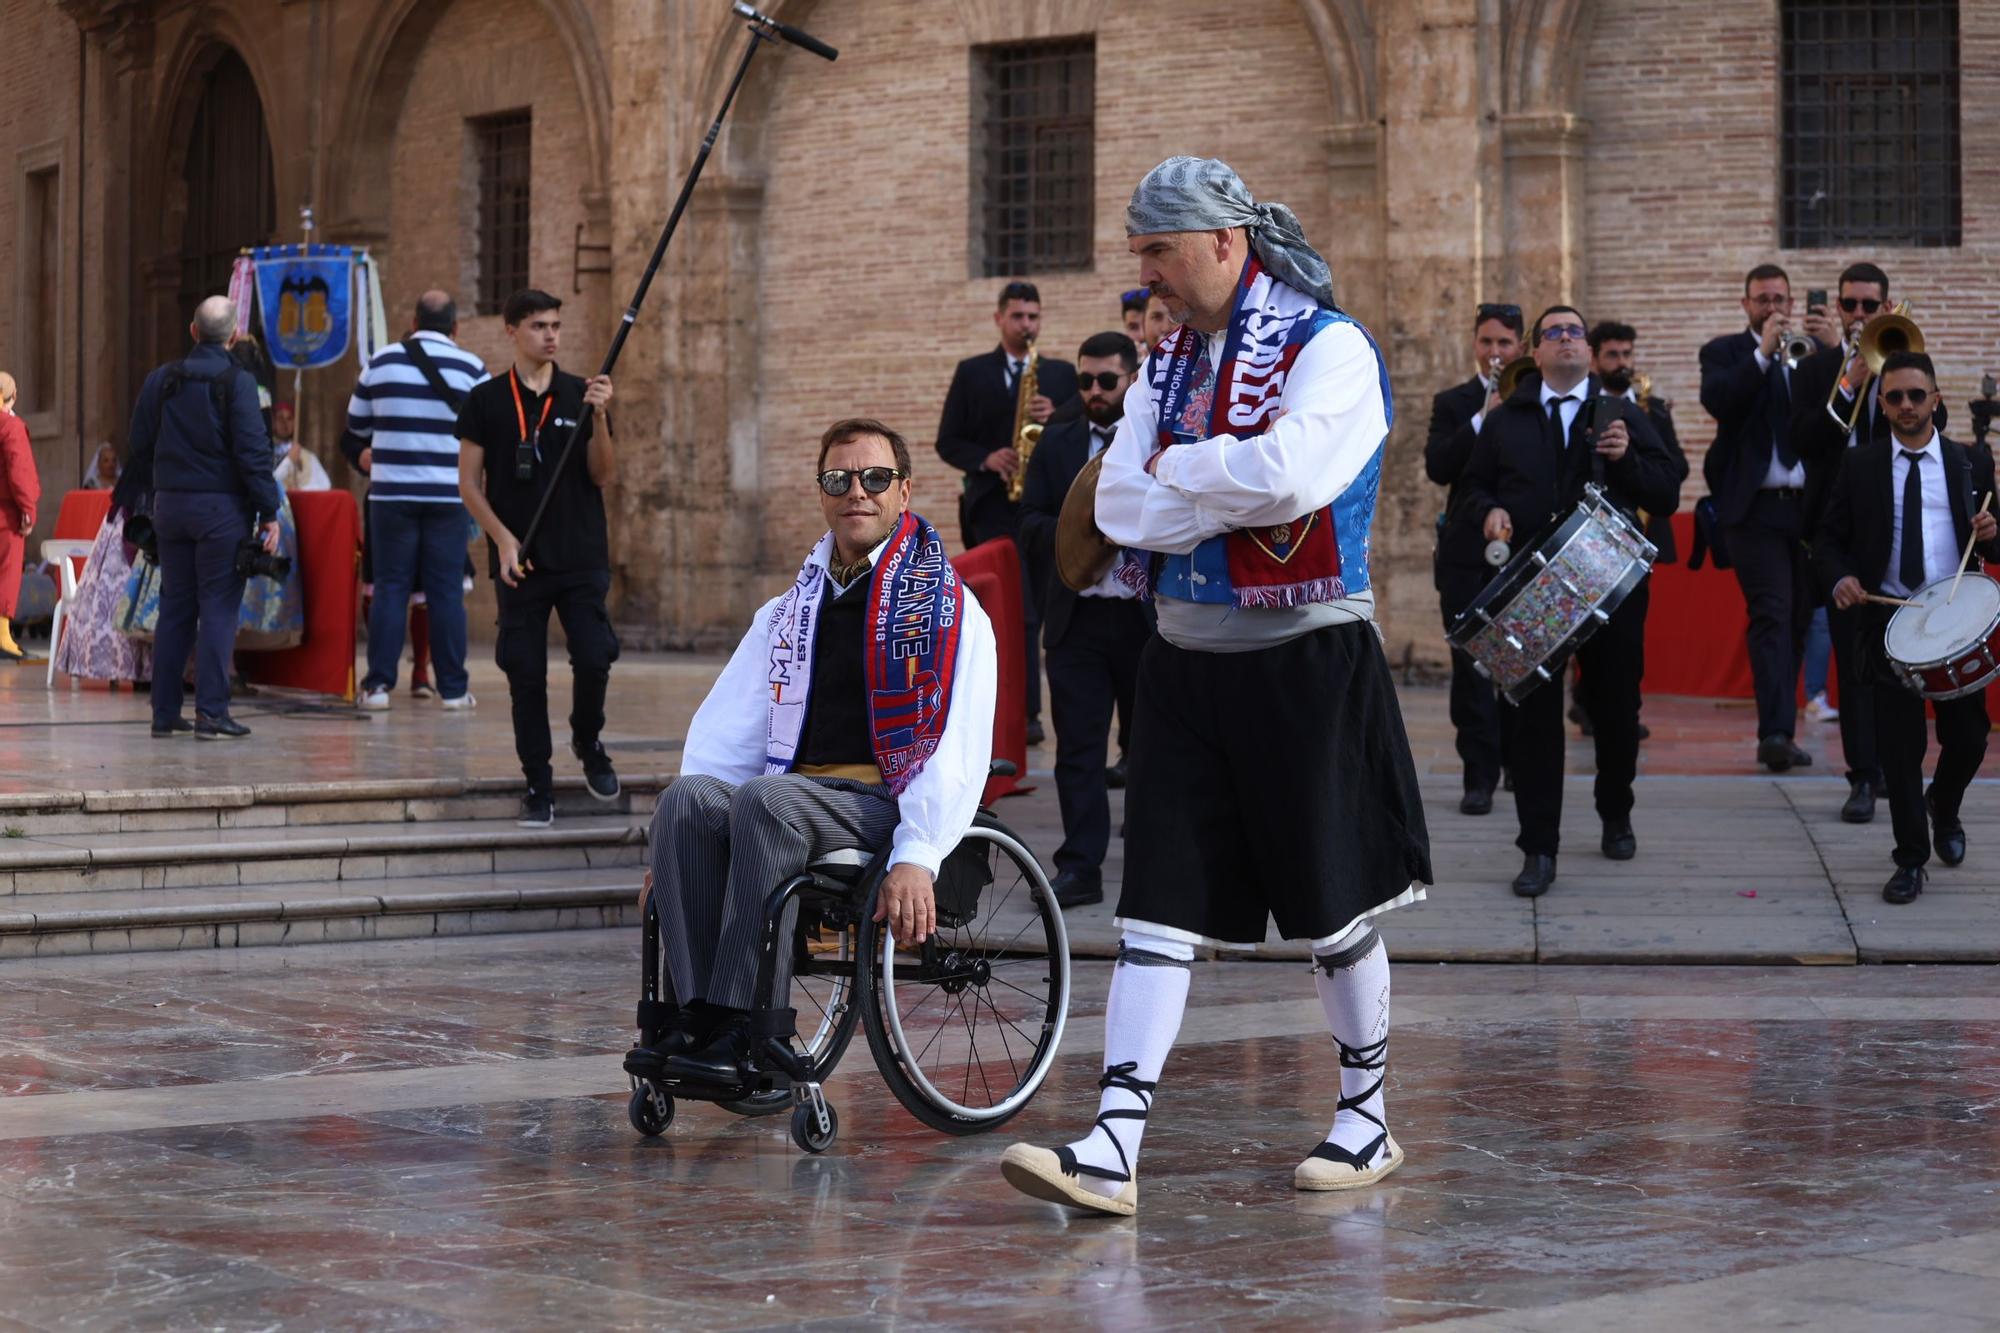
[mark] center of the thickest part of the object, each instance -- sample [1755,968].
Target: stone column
[1543,204]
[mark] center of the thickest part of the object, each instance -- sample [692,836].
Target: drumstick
[1886,601]
[1966,559]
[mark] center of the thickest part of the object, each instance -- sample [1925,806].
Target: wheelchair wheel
[806,1131]
[823,993]
[650,1110]
[964,1027]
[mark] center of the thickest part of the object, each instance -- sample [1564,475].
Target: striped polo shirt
[410,426]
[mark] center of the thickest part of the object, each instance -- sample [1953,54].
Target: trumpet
[1797,346]
[1880,338]
[1510,376]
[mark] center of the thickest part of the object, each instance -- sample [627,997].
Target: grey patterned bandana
[1202,194]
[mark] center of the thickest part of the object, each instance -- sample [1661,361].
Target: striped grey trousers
[717,852]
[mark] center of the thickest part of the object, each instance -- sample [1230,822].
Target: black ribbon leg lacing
[1117,1076]
[1374,1057]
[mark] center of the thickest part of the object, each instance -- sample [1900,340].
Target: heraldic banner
[306,296]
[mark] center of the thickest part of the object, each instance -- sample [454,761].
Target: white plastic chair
[70,558]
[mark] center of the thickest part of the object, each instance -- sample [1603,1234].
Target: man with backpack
[404,415]
[198,432]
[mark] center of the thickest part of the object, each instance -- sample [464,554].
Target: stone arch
[362,148]
[1542,45]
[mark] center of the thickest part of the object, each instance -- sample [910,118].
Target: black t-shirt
[571,538]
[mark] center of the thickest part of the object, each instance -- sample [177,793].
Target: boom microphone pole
[763,28]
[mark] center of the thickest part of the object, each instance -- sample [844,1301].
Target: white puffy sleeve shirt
[727,739]
[1335,418]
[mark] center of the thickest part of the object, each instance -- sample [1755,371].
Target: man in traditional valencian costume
[1270,775]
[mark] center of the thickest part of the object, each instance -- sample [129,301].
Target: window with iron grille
[502,143]
[1870,140]
[1034,120]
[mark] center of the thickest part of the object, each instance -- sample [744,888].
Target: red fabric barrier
[1694,628]
[82,514]
[992,570]
[329,525]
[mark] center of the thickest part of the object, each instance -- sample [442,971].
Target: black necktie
[1781,418]
[1557,436]
[1013,372]
[1911,570]
[1100,440]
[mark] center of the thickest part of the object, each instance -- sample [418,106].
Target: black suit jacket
[1749,406]
[1854,533]
[1515,468]
[1817,436]
[1660,528]
[979,418]
[1446,452]
[1064,449]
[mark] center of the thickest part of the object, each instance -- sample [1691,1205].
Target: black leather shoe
[1947,835]
[224,728]
[1775,753]
[180,726]
[1860,806]
[1476,801]
[1537,873]
[1035,733]
[1619,844]
[1800,759]
[1114,776]
[721,1060]
[1074,890]
[1904,885]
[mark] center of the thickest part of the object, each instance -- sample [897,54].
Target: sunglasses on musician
[1914,397]
[1104,379]
[874,480]
[1859,304]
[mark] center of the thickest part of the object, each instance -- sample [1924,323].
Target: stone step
[318,854]
[44,925]
[296,804]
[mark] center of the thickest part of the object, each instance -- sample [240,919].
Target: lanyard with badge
[529,449]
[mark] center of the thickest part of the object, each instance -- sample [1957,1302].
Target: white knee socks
[1352,978]
[1149,989]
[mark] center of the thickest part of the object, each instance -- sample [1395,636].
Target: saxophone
[1027,434]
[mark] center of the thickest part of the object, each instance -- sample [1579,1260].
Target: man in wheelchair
[857,713]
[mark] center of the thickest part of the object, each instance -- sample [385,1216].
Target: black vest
[836,729]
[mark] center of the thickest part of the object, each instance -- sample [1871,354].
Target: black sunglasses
[874,480]
[1853,303]
[1489,310]
[1104,380]
[1897,397]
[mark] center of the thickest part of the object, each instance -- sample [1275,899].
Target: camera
[253,561]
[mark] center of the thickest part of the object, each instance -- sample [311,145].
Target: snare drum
[1945,647]
[1553,596]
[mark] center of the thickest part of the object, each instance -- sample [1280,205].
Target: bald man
[198,433]
[20,492]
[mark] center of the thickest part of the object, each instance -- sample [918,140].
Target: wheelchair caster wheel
[806,1132]
[650,1112]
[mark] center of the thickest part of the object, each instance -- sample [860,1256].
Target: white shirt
[728,738]
[1778,477]
[1940,532]
[1572,404]
[1110,585]
[308,476]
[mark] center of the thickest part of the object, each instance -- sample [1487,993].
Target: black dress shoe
[721,1060]
[180,726]
[224,728]
[1904,885]
[1619,844]
[1114,776]
[1800,759]
[1537,873]
[1074,890]
[1775,752]
[1035,733]
[1476,801]
[1860,805]
[1947,835]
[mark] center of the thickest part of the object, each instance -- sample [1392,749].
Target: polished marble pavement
[432,1134]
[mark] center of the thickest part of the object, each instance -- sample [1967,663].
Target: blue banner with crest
[305,296]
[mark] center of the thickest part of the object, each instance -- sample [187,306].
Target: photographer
[198,431]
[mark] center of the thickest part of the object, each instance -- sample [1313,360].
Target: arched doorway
[230,200]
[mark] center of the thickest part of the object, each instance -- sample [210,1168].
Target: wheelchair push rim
[915,1004]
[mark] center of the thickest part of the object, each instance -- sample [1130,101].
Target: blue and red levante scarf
[1286,564]
[916,611]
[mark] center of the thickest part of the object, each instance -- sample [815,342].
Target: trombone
[1880,338]
[1510,375]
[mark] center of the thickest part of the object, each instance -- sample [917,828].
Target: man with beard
[1094,637]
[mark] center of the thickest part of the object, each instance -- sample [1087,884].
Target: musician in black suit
[1458,564]
[1614,360]
[1821,444]
[1093,638]
[976,436]
[1900,512]
[1759,486]
[1534,455]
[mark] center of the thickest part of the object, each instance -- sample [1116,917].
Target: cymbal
[1082,555]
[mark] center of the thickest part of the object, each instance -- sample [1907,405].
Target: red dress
[20,489]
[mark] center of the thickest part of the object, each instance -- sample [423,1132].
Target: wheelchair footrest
[774,1022]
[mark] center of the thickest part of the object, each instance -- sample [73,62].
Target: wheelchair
[963,1027]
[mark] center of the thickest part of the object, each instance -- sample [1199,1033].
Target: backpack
[221,392]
